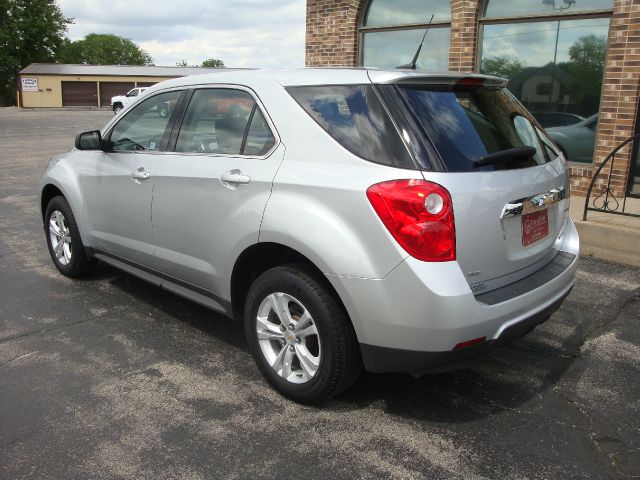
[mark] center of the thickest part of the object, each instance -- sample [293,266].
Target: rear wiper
[503,156]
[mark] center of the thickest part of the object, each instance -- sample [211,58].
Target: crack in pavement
[18,357]
[70,324]
[592,432]
[627,300]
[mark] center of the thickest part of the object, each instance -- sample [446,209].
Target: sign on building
[29,84]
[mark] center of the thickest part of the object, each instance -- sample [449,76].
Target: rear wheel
[300,336]
[63,239]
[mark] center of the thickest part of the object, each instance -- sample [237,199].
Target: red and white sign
[29,84]
[535,226]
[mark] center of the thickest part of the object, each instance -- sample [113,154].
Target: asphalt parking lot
[108,377]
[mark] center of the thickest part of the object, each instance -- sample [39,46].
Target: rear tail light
[419,215]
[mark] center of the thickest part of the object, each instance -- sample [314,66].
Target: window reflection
[634,187]
[388,49]
[554,68]
[513,8]
[406,12]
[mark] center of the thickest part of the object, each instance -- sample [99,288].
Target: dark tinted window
[468,125]
[354,116]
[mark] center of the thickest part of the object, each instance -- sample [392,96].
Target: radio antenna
[412,65]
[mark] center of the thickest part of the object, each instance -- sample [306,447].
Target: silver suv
[400,221]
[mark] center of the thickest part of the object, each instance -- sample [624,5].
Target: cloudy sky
[242,33]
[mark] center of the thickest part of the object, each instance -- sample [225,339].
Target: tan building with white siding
[49,85]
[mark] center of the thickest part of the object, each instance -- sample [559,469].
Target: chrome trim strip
[534,203]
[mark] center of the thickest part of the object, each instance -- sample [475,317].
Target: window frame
[181,114]
[362,29]
[167,130]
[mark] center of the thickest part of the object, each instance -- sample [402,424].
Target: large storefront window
[634,180]
[392,30]
[554,64]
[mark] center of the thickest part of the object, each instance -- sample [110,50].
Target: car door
[210,193]
[117,182]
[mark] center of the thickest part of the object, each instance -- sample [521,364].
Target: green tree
[104,49]
[213,63]
[587,56]
[183,63]
[30,31]
[505,67]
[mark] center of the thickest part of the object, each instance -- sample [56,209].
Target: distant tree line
[35,31]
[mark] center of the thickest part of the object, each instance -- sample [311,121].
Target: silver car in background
[577,142]
[396,220]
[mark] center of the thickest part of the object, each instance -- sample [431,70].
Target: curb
[612,243]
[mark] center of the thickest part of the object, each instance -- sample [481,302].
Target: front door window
[144,126]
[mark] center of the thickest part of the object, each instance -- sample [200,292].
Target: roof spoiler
[437,78]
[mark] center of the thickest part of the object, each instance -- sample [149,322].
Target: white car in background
[120,101]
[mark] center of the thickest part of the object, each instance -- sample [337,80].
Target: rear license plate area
[535,227]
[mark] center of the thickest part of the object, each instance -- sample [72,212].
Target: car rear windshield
[467,126]
[355,117]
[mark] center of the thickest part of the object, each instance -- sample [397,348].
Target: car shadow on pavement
[173,306]
[507,380]
[510,379]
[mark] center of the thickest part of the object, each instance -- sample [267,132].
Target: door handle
[140,174]
[234,177]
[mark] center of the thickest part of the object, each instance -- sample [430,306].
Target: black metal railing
[607,201]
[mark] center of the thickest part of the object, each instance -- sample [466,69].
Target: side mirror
[89,140]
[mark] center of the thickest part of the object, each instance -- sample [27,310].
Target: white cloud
[242,33]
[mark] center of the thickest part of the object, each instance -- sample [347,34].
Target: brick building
[565,60]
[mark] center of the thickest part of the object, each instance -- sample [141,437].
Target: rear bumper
[411,320]
[382,359]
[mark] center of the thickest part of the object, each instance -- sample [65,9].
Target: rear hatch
[508,183]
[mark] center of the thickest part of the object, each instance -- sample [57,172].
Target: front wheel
[300,336]
[117,108]
[63,239]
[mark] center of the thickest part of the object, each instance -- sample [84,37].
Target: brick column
[464,35]
[332,33]
[620,95]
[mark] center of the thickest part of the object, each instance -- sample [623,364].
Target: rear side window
[259,139]
[466,126]
[354,116]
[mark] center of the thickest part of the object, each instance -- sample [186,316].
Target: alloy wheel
[60,237]
[288,337]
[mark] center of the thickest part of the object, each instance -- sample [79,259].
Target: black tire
[340,361]
[117,108]
[79,263]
